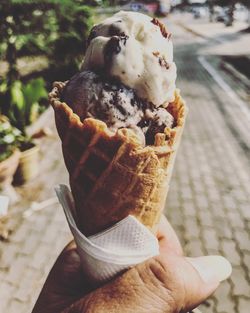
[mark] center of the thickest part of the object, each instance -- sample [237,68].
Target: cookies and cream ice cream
[90,95]
[120,121]
[128,76]
[138,51]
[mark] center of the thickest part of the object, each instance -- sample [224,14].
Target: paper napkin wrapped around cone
[111,251]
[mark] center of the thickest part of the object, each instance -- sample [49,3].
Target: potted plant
[24,105]
[38,40]
[24,110]
[28,167]
[9,155]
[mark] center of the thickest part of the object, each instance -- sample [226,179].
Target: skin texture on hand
[167,283]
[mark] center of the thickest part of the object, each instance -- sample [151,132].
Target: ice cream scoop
[137,50]
[91,95]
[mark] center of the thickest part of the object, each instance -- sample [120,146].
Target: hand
[168,283]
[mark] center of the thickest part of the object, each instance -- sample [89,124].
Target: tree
[54,29]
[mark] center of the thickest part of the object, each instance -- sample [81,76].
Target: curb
[234,72]
[196,33]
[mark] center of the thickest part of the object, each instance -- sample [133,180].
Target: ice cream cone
[113,175]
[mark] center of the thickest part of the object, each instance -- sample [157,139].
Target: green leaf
[17,97]
[34,91]
[3,87]
[9,138]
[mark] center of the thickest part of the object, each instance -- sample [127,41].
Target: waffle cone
[113,175]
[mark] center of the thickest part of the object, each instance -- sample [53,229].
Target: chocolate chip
[121,108]
[124,38]
[161,59]
[144,123]
[162,27]
[114,30]
[156,53]
[114,46]
[163,63]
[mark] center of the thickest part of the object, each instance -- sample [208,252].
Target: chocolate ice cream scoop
[91,95]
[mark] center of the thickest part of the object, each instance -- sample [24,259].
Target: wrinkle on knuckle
[158,270]
[166,281]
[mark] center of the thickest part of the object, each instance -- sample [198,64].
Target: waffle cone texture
[113,175]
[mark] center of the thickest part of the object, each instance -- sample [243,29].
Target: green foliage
[54,29]
[9,138]
[24,102]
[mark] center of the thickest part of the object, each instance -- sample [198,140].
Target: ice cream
[120,121]
[128,76]
[138,51]
[91,95]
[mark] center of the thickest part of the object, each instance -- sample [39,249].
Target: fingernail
[212,268]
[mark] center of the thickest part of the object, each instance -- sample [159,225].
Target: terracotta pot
[28,167]
[8,168]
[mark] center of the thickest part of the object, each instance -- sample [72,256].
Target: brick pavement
[36,241]
[208,202]
[216,32]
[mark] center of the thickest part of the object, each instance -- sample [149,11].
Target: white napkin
[112,251]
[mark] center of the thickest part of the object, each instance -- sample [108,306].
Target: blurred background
[208,202]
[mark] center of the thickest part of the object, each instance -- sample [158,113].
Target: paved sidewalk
[208,202]
[226,40]
[38,235]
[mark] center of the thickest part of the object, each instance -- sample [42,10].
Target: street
[208,202]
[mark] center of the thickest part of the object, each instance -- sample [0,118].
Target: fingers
[167,283]
[67,274]
[199,277]
[192,280]
[197,290]
[205,277]
[65,283]
[71,245]
[167,237]
[211,268]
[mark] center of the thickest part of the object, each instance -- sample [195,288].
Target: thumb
[204,276]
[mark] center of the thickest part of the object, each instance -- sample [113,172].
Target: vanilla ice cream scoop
[137,50]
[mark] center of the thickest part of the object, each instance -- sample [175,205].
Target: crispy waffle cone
[112,175]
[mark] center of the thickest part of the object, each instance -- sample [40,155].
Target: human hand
[168,283]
